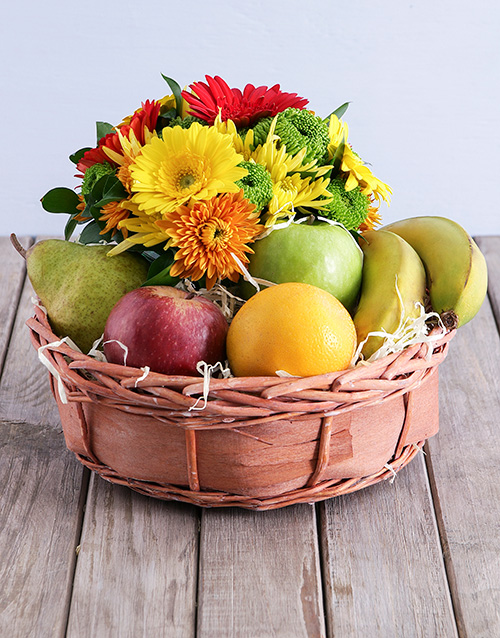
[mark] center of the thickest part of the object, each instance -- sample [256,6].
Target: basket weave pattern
[292,440]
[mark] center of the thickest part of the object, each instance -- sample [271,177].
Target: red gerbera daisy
[244,108]
[96,155]
[144,118]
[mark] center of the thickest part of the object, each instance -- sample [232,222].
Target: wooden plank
[260,574]
[137,566]
[490,247]
[40,487]
[12,276]
[464,463]
[384,572]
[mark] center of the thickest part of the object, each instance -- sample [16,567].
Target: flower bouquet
[259,207]
[193,179]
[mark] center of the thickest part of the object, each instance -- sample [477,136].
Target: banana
[457,275]
[393,283]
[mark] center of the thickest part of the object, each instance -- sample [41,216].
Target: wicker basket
[258,442]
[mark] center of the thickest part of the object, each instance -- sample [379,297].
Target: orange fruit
[294,327]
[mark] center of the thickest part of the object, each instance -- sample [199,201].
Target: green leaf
[103,128]
[337,158]
[339,112]
[171,114]
[61,200]
[77,155]
[69,228]
[177,91]
[90,234]
[358,236]
[91,210]
[159,271]
[164,119]
[313,174]
[108,189]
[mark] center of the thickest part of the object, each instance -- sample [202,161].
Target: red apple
[166,329]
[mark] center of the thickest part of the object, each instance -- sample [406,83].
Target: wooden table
[416,557]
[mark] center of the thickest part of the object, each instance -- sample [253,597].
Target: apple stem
[17,245]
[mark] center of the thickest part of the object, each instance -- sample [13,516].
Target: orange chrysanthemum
[81,207]
[112,214]
[212,237]
[374,218]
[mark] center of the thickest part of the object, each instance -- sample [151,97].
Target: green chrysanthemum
[350,208]
[261,130]
[297,129]
[93,174]
[257,185]
[185,122]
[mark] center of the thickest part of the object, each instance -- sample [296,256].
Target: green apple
[320,254]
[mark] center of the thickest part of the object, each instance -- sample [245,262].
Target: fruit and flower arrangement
[237,231]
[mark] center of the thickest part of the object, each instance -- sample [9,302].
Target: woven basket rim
[340,391]
[235,403]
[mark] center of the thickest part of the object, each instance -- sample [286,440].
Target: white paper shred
[122,345]
[36,302]
[245,272]
[94,351]
[52,369]
[146,370]
[207,370]
[391,469]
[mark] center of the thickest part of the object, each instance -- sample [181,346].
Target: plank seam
[445,546]
[198,573]
[321,523]
[82,502]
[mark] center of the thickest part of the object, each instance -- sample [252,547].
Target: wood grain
[490,247]
[40,490]
[137,567]
[12,276]
[464,463]
[260,574]
[383,569]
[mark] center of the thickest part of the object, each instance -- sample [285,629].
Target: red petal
[203,93]
[221,97]
[226,90]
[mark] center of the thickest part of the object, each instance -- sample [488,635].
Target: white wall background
[422,77]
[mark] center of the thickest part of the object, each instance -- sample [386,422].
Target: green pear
[79,285]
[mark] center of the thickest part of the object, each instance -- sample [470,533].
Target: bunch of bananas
[405,261]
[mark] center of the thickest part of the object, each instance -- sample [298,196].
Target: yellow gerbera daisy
[212,237]
[358,174]
[185,165]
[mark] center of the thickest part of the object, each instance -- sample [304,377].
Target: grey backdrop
[422,78]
